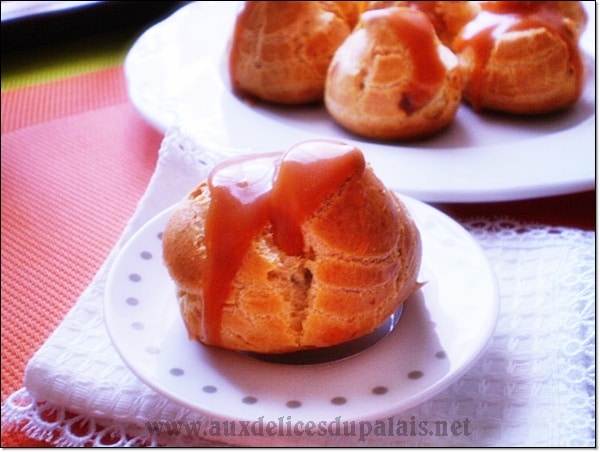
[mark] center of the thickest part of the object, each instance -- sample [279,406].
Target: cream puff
[392,78]
[289,251]
[523,57]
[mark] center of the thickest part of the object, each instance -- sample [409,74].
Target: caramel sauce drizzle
[414,29]
[498,18]
[253,191]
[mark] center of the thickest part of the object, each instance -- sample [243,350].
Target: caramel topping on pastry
[522,57]
[392,78]
[252,191]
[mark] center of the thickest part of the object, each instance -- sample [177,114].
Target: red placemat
[76,158]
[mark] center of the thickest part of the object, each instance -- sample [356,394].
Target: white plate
[444,328]
[176,75]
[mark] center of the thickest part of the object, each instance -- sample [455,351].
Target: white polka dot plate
[443,329]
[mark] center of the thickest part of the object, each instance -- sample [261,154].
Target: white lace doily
[534,386]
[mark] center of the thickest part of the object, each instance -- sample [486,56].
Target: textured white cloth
[534,385]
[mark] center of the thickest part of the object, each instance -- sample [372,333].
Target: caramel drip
[498,18]
[429,8]
[414,29]
[250,192]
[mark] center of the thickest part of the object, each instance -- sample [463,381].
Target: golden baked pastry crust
[362,254]
[280,51]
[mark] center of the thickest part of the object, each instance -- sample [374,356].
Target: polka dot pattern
[415,374]
[338,400]
[178,372]
[249,400]
[379,390]
[132,301]
[217,378]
